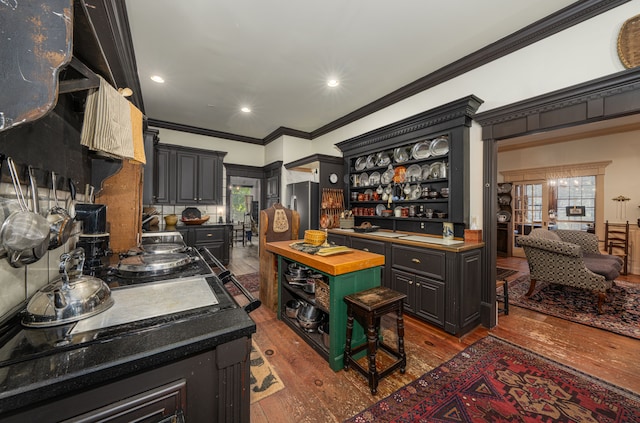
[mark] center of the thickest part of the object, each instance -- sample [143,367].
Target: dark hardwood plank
[315,393]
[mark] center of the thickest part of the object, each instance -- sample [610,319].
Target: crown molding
[119,51]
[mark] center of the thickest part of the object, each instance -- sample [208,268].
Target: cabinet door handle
[418,285]
[366,249]
[410,282]
[415,260]
[209,235]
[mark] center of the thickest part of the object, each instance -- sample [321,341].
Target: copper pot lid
[153,264]
[163,248]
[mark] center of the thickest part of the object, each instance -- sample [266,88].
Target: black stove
[18,343]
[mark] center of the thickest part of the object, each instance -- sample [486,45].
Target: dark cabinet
[442,284]
[199,178]
[164,168]
[216,238]
[187,176]
[420,273]
[421,163]
[425,297]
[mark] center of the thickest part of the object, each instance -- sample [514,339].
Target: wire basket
[314,237]
[322,294]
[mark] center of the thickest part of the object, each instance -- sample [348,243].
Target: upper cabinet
[416,169]
[187,175]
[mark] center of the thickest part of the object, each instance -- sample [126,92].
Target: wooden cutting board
[122,194]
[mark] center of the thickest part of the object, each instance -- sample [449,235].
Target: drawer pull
[415,260]
[209,235]
[410,282]
[418,285]
[366,249]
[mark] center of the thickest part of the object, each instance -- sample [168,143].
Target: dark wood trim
[552,24]
[111,23]
[314,158]
[244,171]
[110,16]
[201,131]
[609,97]
[87,80]
[286,131]
[456,113]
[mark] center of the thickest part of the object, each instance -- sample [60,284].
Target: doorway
[530,210]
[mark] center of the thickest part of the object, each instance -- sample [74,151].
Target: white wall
[581,53]
[237,152]
[622,176]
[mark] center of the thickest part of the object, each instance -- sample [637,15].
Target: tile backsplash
[17,285]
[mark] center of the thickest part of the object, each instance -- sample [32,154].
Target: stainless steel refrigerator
[304,197]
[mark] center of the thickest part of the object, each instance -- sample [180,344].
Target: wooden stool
[369,306]
[504,297]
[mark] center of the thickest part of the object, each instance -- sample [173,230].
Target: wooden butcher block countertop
[333,265]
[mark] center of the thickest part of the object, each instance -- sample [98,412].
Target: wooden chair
[268,262]
[616,241]
[238,234]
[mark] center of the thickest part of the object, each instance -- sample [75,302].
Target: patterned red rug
[251,281]
[495,381]
[621,312]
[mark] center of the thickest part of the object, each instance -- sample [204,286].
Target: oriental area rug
[621,311]
[251,281]
[495,381]
[264,380]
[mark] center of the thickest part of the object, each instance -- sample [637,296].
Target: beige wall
[622,176]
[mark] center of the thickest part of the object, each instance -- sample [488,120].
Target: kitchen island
[191,365]
[441,278]
[342,274]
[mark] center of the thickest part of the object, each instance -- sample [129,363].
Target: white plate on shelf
[374,178]
[439,146]
[416,191]
[364,179]
[421,151]
[400,155]
[379,209]
[361,163]
[414,173]
[383,159]
[426,172]
[371,161]
[434,170]
[387,176]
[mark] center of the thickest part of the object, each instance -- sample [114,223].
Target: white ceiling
[275,56]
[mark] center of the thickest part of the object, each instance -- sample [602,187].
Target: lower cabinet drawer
[427,262]
[367,245]
[209,235]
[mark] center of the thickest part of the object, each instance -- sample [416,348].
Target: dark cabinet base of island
[442,283]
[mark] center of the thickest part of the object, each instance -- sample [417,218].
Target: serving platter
[439,146]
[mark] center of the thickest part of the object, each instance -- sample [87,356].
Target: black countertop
[46,372]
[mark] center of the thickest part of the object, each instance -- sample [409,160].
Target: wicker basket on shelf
[315,237]
[322,294]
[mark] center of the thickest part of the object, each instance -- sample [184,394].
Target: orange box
[473,235]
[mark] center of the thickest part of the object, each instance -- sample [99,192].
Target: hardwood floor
[314,393]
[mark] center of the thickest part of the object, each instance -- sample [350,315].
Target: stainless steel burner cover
[153,263]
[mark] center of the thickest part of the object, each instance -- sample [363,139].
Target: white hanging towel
[107,123]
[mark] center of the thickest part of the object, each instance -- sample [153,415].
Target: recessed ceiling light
[333,83]
[245,110]
[158,79]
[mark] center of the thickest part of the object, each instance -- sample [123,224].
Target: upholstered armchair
[569,258]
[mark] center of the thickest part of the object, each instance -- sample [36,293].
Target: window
[573,202]
[239,206]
